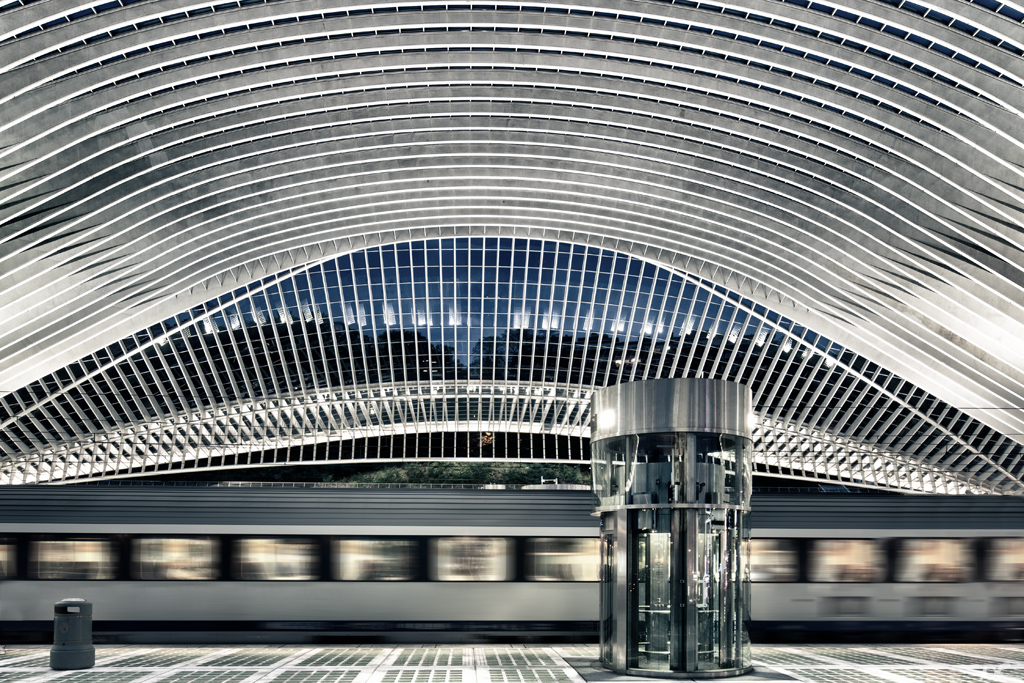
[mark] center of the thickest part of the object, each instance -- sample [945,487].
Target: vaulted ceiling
[855,169]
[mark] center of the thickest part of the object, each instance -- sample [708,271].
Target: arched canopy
[854,168]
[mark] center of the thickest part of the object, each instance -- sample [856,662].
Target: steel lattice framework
[855,169]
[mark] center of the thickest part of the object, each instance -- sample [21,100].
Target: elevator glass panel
[613,461]
[608,578]
[651,600]
[651,480]
[708,577]
[715,469]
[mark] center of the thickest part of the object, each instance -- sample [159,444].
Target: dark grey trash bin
[72,635]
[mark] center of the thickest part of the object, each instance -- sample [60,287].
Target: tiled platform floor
[997,663]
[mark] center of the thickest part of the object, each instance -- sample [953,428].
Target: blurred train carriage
[895,566]
[165,563]
[183,564]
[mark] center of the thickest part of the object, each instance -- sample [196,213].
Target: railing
[822,490]
[784,490]
[332,485]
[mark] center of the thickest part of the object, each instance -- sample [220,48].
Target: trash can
[72,635]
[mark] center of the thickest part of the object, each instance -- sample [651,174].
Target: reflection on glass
[933,559]
[652,628]
[374,559]
[611,459]
[562,559]
[607,601]
[78,560]
[275,559]
[651,479]
[471,558]
[715,470]
[773,559]
[175,559]
[714,588]
[841,560]
[6,559]
[1006,559]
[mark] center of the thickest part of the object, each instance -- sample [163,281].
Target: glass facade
[295,259]
[673,508]
[491,336]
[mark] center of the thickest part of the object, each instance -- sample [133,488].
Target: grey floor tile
[780,657]
[102,676]
[339,657]
[533,675]
[294,676]
[431,656]
[516,657]
[193,676]
[422,676]
[837,676]
[160,658]
[938,656]
[254,657]
[856,656]
[943,676]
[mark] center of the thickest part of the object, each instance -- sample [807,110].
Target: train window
[175,559]
[773,560]
[374,559]
[276,559]
[934,560]
[471,558]
[80,560]
[1005,559]
[7,565]
[841,560]
[562,559]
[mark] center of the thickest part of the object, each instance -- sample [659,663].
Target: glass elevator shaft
[673,488]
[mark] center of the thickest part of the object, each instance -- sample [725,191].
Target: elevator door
[608,586]
[715,621]
[708,603]
[651,607]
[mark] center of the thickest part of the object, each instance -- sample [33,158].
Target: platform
[996,663]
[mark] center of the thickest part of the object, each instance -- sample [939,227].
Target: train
[164,564]
[887,568]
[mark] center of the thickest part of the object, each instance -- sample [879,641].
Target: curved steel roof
[854,167]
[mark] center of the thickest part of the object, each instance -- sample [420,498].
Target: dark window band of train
[901,560]
[287,558]
[475,558]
